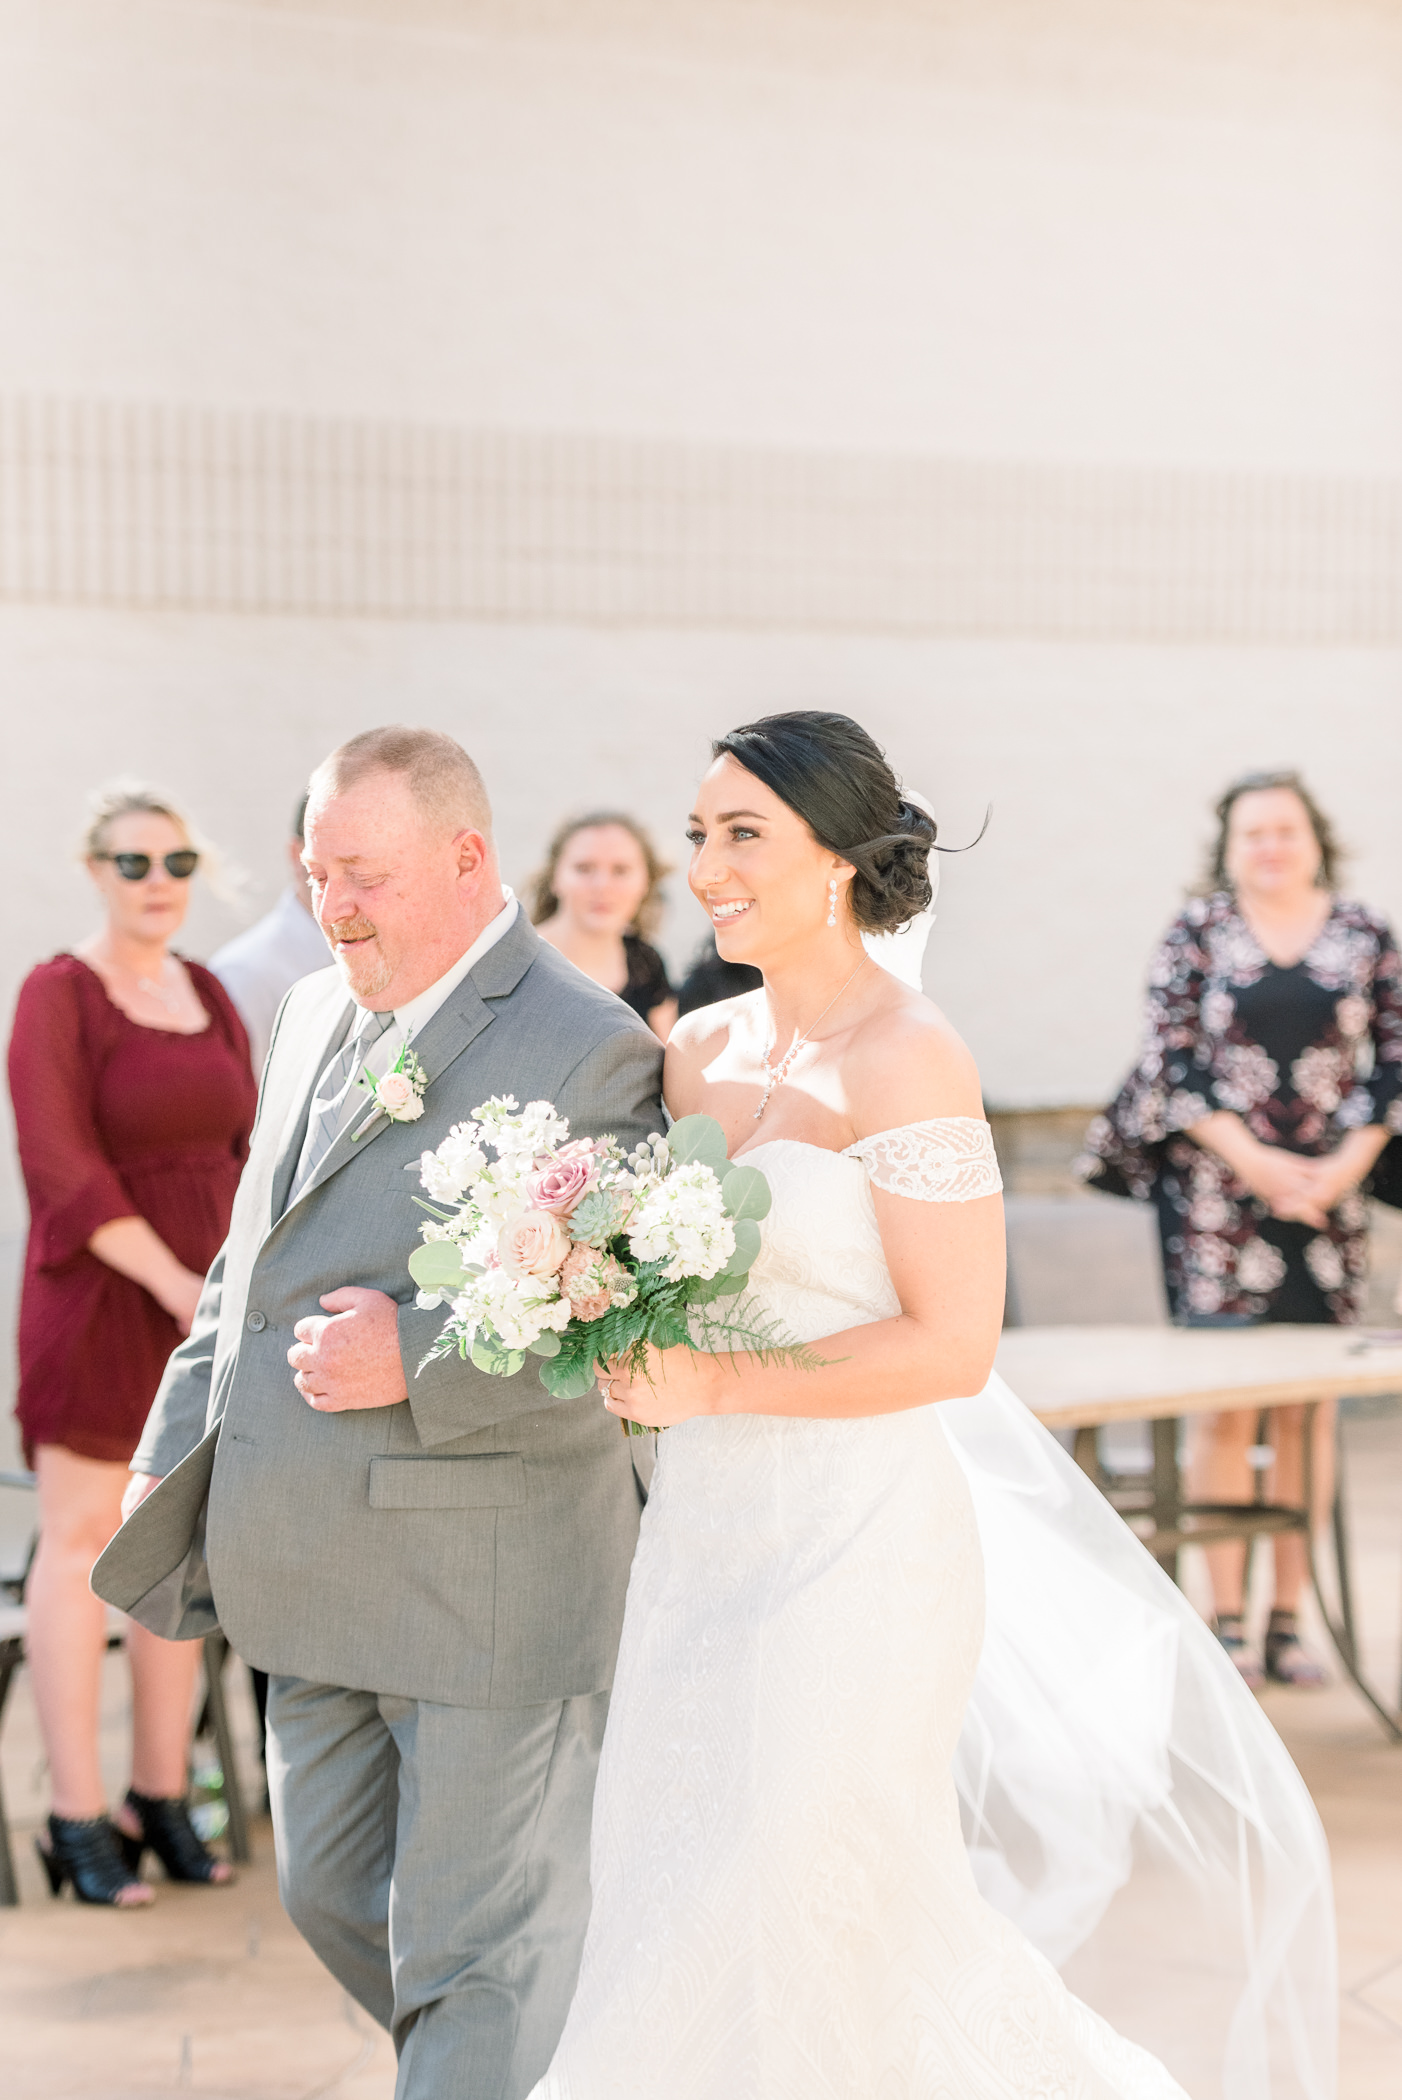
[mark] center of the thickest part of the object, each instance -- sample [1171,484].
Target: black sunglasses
[135,867]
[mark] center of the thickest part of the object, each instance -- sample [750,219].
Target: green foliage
[546,1343]
[699,1138]
[489,1355]
[597,1217]
[746,1248]
[566,1380]
[745,1193]
[437,1266]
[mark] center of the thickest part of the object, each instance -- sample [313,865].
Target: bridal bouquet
[574,1252]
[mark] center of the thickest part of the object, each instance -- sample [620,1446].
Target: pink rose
[532,1244]
[395,1095]
[558,1185]
[589,1279]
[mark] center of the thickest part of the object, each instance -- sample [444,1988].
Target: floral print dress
[1303,1055]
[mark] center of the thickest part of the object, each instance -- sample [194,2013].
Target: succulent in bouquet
[579,1254]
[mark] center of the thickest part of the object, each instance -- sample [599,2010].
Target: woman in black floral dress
[1270,1082]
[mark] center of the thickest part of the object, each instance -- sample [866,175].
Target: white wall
[1006,232]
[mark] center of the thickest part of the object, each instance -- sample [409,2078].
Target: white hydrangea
[515,1312]
[682,1221]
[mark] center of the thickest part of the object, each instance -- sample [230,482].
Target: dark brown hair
[836,777]
[544,902]
[1330,852]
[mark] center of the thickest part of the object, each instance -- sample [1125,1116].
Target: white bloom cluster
[682,1221]
[449,1172]
[521,1133]
[516,1310]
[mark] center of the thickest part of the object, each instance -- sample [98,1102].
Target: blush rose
[559,1184]
[396,1096]
[533,1243]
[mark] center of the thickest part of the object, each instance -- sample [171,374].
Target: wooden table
[1085,1378]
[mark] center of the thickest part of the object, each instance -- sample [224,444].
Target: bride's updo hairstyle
[834,776]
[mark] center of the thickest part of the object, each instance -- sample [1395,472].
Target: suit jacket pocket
[493,1480]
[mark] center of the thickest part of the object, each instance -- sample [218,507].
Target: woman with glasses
[134,1100]
[1269,1087]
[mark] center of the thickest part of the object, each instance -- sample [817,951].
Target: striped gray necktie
[337,1098]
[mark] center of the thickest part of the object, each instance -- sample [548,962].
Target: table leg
[1168,1498]
[1342,1632]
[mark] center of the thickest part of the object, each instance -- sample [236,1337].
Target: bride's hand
[677,1384]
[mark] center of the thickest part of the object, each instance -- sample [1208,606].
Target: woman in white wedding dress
[787,1901]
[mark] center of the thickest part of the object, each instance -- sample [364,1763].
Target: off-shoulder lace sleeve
[950,1159]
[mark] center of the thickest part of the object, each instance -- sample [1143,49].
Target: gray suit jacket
[470,1545]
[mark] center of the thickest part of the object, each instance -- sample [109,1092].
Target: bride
[840,1825]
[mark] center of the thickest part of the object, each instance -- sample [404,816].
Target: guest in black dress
[596,899]
[1270,1083]
[711,978]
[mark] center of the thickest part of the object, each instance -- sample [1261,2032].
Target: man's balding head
[444,783]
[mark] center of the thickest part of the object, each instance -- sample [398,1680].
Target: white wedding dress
[787,1901]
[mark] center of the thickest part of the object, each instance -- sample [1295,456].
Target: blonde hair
[437,771]
[544,902]
[128,797]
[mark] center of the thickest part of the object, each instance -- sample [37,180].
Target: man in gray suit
[430,1563]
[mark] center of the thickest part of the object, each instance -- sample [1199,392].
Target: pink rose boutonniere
[399,1094]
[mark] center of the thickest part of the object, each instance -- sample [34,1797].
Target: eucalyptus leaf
[745,1193]
[546,1343]
[569,1381]
[746,1248]
[698,1138]
[491,1357]
[437,1266]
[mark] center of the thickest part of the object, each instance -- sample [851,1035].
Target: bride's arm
[946,1262]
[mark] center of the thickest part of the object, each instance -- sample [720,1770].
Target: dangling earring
[832,902]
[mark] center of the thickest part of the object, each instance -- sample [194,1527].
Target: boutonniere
[399,1094]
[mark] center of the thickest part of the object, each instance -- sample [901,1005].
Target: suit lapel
[458,1022]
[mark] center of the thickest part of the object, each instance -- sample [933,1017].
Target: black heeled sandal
[1287,1661]
[167,1830]
[87,1852]
[1230,1631]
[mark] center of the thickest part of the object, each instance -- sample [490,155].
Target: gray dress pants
[437,1859]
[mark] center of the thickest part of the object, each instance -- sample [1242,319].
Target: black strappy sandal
[87,1851]
[1229,1628]
[1287,1660]
[167,1830]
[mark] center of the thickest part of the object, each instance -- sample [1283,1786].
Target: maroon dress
[114,1121]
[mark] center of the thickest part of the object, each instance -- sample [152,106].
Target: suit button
[256,1322]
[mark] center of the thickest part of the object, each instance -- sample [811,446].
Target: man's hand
[350,1359]
[137,1489]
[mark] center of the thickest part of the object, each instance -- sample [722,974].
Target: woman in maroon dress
[133,1100]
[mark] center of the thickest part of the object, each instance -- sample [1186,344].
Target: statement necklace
[775,1075]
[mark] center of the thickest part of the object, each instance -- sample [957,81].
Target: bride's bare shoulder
[907,1065]
[696,1042]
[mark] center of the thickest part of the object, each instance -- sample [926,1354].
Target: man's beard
[365,971]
